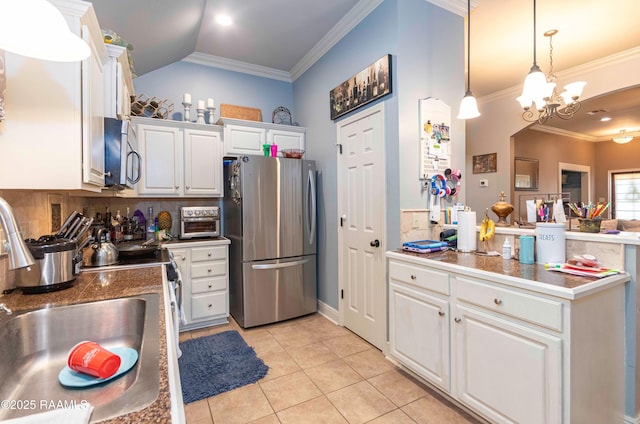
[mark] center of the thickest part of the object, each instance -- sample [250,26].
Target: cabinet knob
[441,313]
[210,286]
[187,187]
[209,254]
[210,305]
[497,301]
[208,269]
[177,187]
[457,320]
[413,277]
[184,258]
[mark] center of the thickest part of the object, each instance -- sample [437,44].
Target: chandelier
[540,99]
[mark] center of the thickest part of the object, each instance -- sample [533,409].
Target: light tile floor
[321,373]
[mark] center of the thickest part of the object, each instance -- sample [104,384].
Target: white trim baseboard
[328,312]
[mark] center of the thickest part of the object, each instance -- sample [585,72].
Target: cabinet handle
[457,320]
[497,301]
[413,277]
[441,313]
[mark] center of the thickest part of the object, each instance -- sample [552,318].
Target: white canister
[550,243]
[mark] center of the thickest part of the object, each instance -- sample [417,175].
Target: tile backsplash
[32,210]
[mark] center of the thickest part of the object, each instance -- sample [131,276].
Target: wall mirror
[526,174]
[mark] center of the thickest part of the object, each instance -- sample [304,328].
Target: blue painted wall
[427,48]
[202,82]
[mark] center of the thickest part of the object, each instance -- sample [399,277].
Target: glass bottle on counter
[127,227]
[151,228]
[107,223]
[116,226]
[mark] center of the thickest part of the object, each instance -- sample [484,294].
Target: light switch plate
[484,183]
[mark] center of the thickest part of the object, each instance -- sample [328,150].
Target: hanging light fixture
[540,99]
[622,138]
[36,28]
[468,105]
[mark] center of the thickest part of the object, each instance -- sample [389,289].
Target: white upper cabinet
[179,159]
[247,137]
[118,83]
[53,137]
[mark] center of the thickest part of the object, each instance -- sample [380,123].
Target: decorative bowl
[293,153]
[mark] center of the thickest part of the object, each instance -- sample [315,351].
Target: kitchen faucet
[19,254]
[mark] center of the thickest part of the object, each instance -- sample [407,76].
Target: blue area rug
[218,363]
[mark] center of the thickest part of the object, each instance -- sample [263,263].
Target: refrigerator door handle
[281,265]
[311,211]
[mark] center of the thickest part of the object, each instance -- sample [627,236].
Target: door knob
[375,243]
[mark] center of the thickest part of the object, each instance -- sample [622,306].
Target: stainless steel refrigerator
[269,214]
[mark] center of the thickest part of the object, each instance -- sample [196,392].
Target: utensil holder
[589,225]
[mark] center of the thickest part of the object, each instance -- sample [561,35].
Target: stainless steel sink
[34,347]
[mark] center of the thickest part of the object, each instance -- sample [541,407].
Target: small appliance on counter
[55,267]
[199,221]
[58,257]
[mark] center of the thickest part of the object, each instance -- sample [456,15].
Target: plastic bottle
[506,249]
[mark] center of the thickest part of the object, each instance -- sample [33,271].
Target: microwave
[122,162]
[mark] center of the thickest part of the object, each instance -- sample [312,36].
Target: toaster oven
[199,221]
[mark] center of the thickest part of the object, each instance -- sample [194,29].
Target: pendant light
[535,84]
[468,105]
[36,28]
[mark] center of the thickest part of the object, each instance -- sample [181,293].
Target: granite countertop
[102,285]
[511,272]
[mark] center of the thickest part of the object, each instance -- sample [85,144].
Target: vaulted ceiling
[282,38]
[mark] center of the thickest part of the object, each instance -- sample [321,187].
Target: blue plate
[71,378]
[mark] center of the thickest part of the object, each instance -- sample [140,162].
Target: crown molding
[349,21]
[459,7]
[238,66]
[565,133]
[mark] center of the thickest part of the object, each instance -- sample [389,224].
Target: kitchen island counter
[511,272]
[102,285]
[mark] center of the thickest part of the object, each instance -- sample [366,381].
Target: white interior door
[361,205]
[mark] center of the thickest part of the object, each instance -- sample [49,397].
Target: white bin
[550,243]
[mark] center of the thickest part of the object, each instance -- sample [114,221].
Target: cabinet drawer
[209,305]
[534,309]
[208,269]
[200,254]
[418,276]
[208,284]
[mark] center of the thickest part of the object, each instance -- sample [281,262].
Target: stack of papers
[583,271]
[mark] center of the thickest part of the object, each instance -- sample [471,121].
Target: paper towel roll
[467,238]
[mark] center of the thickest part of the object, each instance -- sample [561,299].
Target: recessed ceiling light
[605,119]
[224,20]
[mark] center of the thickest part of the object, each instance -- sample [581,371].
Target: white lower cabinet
[509,354]
[204,266]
